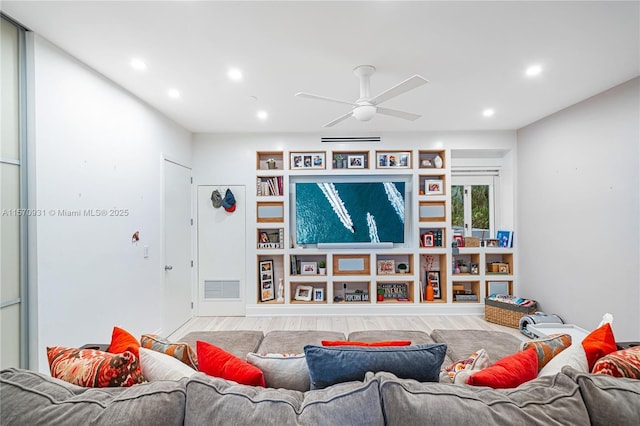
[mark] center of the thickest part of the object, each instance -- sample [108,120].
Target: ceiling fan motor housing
[364,112]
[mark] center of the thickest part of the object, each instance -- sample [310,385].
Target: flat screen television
[339,211]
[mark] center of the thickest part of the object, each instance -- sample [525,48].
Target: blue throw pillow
[337,364]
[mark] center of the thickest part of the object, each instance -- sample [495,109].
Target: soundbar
[352,246]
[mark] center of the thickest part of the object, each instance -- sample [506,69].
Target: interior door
[221,254]
[177,298]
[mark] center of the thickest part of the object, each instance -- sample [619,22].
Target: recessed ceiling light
[235,74]
[173,93]
[138,64]
[533,70]
[262,115]
[488,112]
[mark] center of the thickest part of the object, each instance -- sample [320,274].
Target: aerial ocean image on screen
[350,212]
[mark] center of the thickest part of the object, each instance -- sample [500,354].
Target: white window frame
[469,178]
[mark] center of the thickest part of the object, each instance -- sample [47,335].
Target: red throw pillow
[508,372]
[599,343]
[384,343]
[122,341]
[217,362]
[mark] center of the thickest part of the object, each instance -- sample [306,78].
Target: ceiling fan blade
[399,89]
[323,98]
[339,119]
[398,114]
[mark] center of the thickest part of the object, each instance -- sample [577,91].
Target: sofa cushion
[158,366]
[461,343]
[30,398]
[181,351]
[574,357]
[416,337]
[543,401]
[508,372]
[331,365]
[236,342]
[293,342]
[459,371]
[548,347]
[287,371]
[217,362]
[371,344]
[93,368]
[609,400]
[599,343]
[218,402]
[622,363]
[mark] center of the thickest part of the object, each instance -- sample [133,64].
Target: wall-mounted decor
[267,290]
[393,160]
[307,160]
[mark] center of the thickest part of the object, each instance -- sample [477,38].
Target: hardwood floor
[344,324]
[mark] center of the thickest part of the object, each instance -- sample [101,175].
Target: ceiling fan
[366,106]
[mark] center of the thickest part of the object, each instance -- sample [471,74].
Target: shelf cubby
[351,160]
[357,292]
[263,157]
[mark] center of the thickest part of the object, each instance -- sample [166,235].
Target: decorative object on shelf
[498,268]
[456,269]
[380,297]
[338,161]
[437,161]
[433,277]
[492,242]
[308,268]
[280,290]
[429,294]
[357,296]
[395,290]
[267,290]
[271,238]
[318,295]
[393,160]
[428,239]
[403,268]
[474,269]
[322,267]
[505,238]
[355,161]
[433,187]
[386,267]
[463,268]
[426,163]
[471,242]
[459,240]
[307,160]
[304,293]
[271,164]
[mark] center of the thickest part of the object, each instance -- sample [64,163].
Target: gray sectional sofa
[568,398]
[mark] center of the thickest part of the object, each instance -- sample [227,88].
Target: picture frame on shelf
[307,160]
[318,295]
[505,238]
[308,268]
[434,276]
[428,239]
[386,267]
[355,161]
[267,289]
[474,269]
[304,293]
[393,160]
[492,242]
[433,187]
[459,240]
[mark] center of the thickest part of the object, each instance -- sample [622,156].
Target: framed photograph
[355,161]
[304,293]
[393,160]
[459,239]
[308,268]
[433,187]
[474,269]
[434,276]
[267,290]
[386,267]
[492,242]
[318,295]
[505,238]
[428,239]
[307,160]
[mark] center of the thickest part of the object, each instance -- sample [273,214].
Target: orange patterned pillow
[548,347]
[181,351]
[623,363]
[93,368]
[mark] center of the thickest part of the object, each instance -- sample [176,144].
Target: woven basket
[506,314]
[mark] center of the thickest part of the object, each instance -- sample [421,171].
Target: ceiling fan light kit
[366,106]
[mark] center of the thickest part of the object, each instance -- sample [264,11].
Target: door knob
[168,267]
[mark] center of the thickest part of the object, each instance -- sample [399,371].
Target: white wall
[578,211]
[94,146]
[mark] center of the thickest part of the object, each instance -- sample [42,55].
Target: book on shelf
[269,186]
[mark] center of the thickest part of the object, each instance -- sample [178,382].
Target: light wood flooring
[344,324]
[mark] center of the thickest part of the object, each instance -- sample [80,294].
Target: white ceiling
[473,53]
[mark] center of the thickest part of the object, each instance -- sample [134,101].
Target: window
[473,204]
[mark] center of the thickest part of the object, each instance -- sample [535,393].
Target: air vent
[347,139]
[221,289]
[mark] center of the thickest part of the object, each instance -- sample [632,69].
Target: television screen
[350,212]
